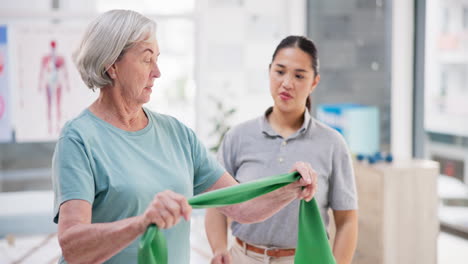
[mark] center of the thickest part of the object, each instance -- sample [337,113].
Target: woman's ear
[112,72]
[315,83]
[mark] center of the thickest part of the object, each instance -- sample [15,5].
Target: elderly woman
[119,167]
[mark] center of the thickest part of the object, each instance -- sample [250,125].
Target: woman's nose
[287,82]
[156,73]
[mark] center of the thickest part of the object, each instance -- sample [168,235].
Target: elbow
[72,258]
[64,242]
[68,258]
[68,250]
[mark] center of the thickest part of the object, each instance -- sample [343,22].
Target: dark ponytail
[305,45]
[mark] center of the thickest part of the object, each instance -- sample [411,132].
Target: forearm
[260,208]
[216,230]
[345,242]
[95,243]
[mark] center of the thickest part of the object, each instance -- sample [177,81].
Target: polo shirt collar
[268,130]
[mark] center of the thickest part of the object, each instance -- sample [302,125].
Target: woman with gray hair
[118,167]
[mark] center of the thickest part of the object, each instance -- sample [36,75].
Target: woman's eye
[299,76]
[280,72]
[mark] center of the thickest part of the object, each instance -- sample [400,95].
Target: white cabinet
[398,222]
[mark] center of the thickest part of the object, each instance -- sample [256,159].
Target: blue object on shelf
[360,157]
[389,158]
[371,160]
[378,156]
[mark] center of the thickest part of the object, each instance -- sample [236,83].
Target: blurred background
[393,82]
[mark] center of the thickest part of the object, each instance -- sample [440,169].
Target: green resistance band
[312,240]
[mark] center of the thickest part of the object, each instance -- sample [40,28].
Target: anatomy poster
[50,90]
[5,109]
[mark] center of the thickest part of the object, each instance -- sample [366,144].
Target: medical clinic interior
[234,131]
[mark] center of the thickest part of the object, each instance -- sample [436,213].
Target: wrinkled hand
[306,187]
[166,210]
[222,258]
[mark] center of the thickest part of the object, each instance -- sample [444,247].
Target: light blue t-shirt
[120,172]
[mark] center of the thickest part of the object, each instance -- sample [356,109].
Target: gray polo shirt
[254,150]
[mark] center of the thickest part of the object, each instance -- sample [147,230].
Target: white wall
[19,8]
[235,42]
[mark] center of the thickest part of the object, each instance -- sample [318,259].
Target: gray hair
[106,40]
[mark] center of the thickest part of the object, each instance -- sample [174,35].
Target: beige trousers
[243,256]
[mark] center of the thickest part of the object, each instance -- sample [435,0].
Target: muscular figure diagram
[53,78]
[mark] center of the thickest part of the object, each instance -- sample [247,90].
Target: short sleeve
[72,176]
[226,155]
[206,169]
[342,193]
